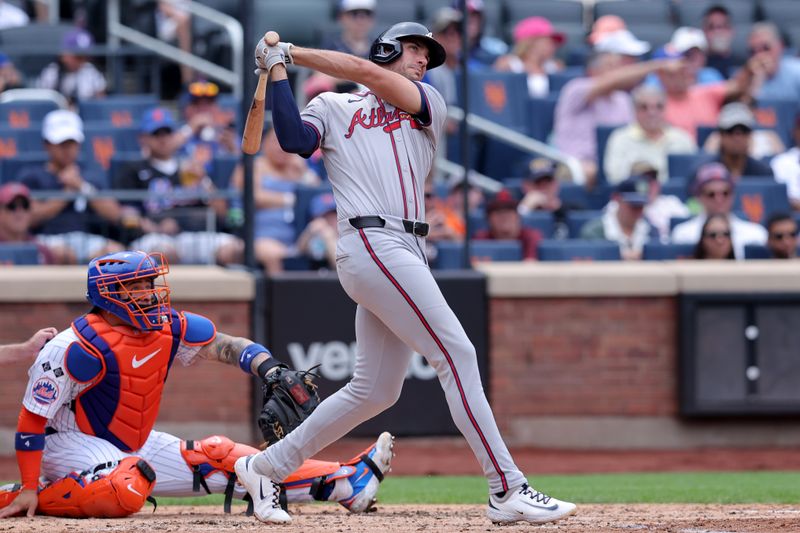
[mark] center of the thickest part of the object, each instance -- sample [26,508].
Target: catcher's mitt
[289,397]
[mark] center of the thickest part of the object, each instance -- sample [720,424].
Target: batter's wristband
[249,353]
[28,442]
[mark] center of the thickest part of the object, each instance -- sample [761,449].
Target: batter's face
[413,62]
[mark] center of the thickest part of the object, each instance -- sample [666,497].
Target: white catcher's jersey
[50,388]
[377,156]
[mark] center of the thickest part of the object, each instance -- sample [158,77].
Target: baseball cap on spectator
[707,173]
[644,169]
[76,40]
[356,5]
[735,114]
[622,42]
[633,190]
[62,125]
[502,200]
[532,27]
[540,168]
[322,204]
[443,18]
[203,89]
[685,38]
[13,190]
[156,119]
[605,25]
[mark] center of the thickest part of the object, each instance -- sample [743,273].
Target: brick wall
[583,357]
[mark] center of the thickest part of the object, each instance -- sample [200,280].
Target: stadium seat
[297,19]
[703,132]
[778,114]
[542,221]
[674,221]
[389,13]
[18,253]
[599,196]
[501,97]
[449,254]
[602,134]
[676,187]
[559,79]
[667,252]
[499,159]
[655,34]
[756,251]
[25,114]
[578,250]
[121,111]
[33,46]
[691,13]
[655,12]
[20,141]
[573,196]
[302,204]
[758,198]
[556,11]
[119,162]
[784,13]
[540,116]
[10,167]
[576,219]
[222,169]
[104,141]
[684,165]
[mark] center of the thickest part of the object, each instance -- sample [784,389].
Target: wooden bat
[254,125]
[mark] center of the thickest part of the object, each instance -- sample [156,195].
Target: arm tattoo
[224,348]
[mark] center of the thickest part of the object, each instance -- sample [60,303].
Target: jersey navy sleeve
[436,110]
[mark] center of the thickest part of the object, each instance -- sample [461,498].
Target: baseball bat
[254,125]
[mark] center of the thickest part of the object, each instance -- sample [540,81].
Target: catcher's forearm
[228,349]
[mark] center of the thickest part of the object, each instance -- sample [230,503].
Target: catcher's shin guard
[118,493]
[214,454]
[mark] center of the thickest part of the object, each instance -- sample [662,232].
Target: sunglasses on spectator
[714,194]
[780,236]
[20,203]
[712,27]
[717,234]
[203,89]
[760,48]
[737,130]
[644,106]
[360,13]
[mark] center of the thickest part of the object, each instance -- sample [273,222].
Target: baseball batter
[378,147]
[85,441]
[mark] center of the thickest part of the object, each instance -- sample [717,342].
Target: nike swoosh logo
[139,362]
[130,488]
[24,437]
[351,100]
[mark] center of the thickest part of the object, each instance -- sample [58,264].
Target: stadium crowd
[686,128]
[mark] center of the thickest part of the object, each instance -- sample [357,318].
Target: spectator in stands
[74,75]
[484,49]
[317,242]
[65,225]
[540,190]
[735,127]
[623,219]
[600,98]
[12,16]
[660,208]
[505,223]
[174,25]
[786,167]
[782,239]
[173,217]
[714,188]
[715,239]
[356,19]
[10,77]
[763,142]
[691,43]
[15,219]
[719,33]
[276,175]
[210,130]
[648,139]
[446,29]
[777,76]
[603,26]
[690,104]
[535,45]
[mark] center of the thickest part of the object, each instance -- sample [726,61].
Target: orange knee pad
[121,492]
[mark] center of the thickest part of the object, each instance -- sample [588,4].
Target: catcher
[85,440]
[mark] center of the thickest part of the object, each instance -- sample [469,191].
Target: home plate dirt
[447,518]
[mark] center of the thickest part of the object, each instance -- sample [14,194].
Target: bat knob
[272,38]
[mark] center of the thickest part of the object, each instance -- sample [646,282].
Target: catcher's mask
[388,46]
[107,288]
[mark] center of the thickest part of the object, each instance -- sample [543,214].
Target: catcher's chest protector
[127,374]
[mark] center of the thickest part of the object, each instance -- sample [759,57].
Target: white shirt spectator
[629,144]
[11,16]
[84,84]
[742,233]
[660,211]
[786,167]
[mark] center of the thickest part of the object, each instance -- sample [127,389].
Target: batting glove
[287,52]
[268,56]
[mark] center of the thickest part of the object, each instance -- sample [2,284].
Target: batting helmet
[387,46]
[145,309]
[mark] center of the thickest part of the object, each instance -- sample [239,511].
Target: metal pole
[248,88]
[463,132]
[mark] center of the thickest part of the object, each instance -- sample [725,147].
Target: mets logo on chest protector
[44,391]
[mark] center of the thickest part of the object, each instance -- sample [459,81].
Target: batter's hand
[26,502]
[268,56]
[38,340]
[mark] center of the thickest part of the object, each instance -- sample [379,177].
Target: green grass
[675,487]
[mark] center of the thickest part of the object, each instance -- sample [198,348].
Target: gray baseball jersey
[377,158]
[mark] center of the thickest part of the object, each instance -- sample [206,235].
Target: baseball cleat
[371,466]
[264,492]
[527,504]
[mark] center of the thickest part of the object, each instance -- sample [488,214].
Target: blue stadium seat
[19,141]
[542,221]
[684,165]
[691,13]
[649,11]
[297,262]
[18,253]
[778,114]
[756,251]
[9,168]
[602,134]
[303,197]
[499,159]
[599,196]
[119,111]
[448,256]
[674,221]
[578,250]
[676,187]
[104,141]
[556,11]
[222,169]
[297,19]
[759,198]
[667,252]
[501,97]
[25,114]
[576,220]
[574,195]
[560,78]
[703,133]
[540,116]
[477,221]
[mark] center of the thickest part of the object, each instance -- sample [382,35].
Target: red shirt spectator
[506,224]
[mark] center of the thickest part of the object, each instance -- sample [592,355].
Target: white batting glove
[287,52]
[267,57]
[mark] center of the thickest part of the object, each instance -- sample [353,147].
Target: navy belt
[413,227]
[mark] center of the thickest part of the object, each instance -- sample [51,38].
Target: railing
[117,31]
[520,141]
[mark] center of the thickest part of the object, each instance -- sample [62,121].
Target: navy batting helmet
[387,47]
